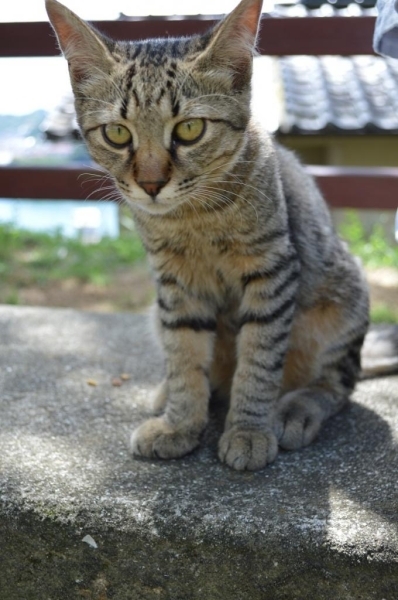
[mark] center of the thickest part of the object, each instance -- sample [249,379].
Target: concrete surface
[81,518]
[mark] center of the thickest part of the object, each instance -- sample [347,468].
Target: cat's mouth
[154,205]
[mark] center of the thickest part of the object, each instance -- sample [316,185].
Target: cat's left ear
[84,48]
[232,44]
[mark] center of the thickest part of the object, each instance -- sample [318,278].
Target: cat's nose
[152,188]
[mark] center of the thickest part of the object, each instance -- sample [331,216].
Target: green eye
[116,135]
[189,131]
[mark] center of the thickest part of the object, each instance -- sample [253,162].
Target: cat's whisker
[93,174]
[245,185]
[187,76]
[229,98]
[246,201]
[93,168]
[216,199]
[199,199]
[203,107]
[94,181]
[89,177]
[98,186]
[192,205]
[98,191]
[104,184]
[112,196]
[94,100]
[110,80]
[97,179]
[102,112]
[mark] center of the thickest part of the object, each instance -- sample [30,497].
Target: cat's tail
[379,355]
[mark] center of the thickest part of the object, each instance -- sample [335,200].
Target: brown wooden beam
[278,36]
[343,187]
[52,183]
[358,187]
[317,35]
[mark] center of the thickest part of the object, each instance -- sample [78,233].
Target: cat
[257,297]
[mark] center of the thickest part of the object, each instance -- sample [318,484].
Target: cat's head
[166,117]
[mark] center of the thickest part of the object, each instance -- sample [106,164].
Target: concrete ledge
[317,524]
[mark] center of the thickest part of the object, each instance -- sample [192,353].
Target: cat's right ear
[83,47]
[231,47]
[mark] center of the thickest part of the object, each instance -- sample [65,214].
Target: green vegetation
[381,313]
[28,258]
[34,260]
[373,249]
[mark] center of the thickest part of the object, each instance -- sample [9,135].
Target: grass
[381,313]
[35,259]
[373,249]
[28,259]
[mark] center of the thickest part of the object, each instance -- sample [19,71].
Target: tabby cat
[257,298]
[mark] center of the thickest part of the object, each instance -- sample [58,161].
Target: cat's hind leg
[301,412]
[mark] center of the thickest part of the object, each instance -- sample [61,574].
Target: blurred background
[318,87]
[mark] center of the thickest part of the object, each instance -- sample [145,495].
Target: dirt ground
[383,287]
[132,290]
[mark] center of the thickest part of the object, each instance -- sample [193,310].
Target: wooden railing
[343,187]
[278,36]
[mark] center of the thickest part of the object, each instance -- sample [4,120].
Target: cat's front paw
[155,438]
[247,449]
[299,419]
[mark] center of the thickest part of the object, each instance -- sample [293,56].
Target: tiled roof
[308,94]
[336,94]
[61,122]
[325,8]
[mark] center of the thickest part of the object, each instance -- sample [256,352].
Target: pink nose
[152,188]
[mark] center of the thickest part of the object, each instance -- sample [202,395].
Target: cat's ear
[83,47]
[232,44]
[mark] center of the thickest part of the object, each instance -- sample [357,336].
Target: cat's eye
[117,135]
[189,131]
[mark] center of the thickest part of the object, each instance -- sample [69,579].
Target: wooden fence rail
[278,36]
[342,186]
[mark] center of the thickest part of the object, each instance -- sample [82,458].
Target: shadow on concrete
[64,452]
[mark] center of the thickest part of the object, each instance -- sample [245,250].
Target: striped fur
[256,296]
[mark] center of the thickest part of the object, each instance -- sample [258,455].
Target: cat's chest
[206,260]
